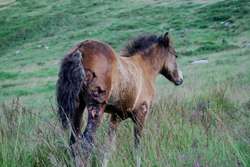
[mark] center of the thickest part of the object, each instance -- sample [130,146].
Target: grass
[177,126]
[179,123]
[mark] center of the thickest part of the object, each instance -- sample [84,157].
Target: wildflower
[204,148]
[195,146]
[177,157]
[197,164]
[193,112]
[185,156]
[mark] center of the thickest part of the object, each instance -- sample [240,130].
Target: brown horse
[92,75]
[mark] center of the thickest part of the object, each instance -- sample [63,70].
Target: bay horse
[92,76]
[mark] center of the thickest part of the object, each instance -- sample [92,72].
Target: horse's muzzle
[180,80]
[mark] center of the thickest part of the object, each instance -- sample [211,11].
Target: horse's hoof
[86,146]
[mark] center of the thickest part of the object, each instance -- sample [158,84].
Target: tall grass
[202,129]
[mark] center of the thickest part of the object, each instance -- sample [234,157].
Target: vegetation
[205,121]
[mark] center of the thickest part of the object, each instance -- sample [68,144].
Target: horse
[93,76]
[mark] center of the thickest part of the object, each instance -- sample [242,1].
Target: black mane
[141,43]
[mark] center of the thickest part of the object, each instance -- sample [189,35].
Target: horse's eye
[176,56]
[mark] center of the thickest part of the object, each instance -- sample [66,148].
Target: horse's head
[170,67]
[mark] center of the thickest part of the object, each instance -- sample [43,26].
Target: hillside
[198,28]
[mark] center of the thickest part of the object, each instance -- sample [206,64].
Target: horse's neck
[153,64]
[129,67]
[149,66]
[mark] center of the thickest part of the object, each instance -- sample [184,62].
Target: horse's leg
[95,113]
[110,144]
[138,127]
[76,125]
[139,119]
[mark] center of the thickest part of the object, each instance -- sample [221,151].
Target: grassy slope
[198,33]
[27,24]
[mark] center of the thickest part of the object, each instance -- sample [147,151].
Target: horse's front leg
[139,119]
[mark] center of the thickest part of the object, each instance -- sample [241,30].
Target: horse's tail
[69,85]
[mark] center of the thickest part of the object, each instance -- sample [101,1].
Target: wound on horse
[98,95]
[143,109]
[97,99]
[94,109]
[90,76]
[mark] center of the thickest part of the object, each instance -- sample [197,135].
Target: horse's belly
[126,104]
[117,109]
[112,100]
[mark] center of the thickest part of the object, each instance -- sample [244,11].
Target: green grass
[30,134]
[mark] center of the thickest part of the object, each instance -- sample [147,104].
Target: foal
[92,76]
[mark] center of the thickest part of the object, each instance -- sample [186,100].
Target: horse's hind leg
[96,104]
[94,120]
[111,139]
[76,124]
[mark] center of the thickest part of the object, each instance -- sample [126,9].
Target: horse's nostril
[181,81]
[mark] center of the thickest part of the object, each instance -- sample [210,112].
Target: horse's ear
[166,38]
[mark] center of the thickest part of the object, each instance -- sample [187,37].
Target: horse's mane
[143,42]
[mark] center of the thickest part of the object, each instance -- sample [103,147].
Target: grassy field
[204,121]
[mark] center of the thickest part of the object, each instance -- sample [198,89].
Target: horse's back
[90,48]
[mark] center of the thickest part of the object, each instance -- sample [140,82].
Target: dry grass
[178,125]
